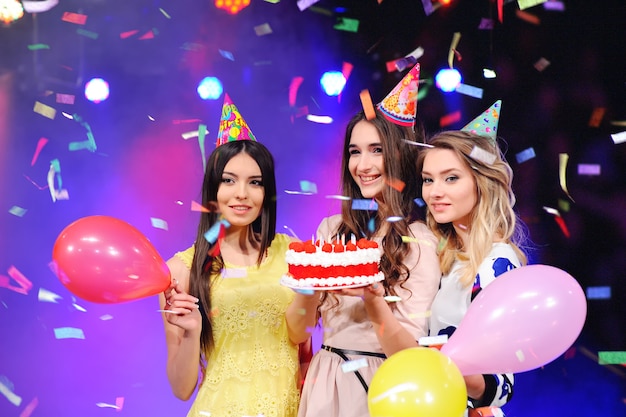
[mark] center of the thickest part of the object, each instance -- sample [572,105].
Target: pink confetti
[28,410]
[42,142]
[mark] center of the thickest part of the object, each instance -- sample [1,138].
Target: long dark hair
[206,261]
[400,169]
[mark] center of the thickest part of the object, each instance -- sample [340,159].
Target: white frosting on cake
[327,259]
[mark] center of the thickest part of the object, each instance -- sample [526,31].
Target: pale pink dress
[329,391]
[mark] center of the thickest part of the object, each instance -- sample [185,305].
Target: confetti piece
[167,311]
[79,19]
[599,293]
[308,186]
[551,210]
[351,366]
[479,154]
[128,34]
[424,314]
[263,29]
[392,298]
[38,46]
[485,24]
[305,291]
[87,33]
[28,410]
[325,120]
[106,405]
[204,413]
[65,98]
[441,244]
[305,4]
[291,231]
[45,110]
[234,273]
[227,54]
[106,317]
[525,155]
[46,296]
[619,137]
[338,197]
[395,183]
[190,134]
[564,205]
[469,90]
[202,131]
[6,389]
[589,169]
[24,283]
[453,45]
[297,192]
[213,233]
[148,35]
[554,5]
[409,239]
[363,204]
[528,17]
[164,13]
[541,64]
[199,207]
[371,225]
[424,145]
[489,73]
[612,358]
[393,219]
[80,308]
[39,6]
[347,24]
[450,118]
[419,202]
[158,223]
[368,107]
[596,116]
[433,340]
[563,158]
[17,211]
[525,4]
[68,333]
[561,222]
[520,355]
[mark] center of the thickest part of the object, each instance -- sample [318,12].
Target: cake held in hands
[328,265]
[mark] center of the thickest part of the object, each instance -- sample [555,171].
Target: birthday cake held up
[328,265]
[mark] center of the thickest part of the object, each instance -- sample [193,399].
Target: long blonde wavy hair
[492,219]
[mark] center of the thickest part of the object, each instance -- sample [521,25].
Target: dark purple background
[142,168]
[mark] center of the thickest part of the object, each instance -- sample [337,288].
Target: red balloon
[106,260]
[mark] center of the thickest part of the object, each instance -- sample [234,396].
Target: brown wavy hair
[400,167]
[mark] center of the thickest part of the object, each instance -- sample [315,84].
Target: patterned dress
[254,368]
[452,302]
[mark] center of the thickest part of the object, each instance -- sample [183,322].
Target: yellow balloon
[417,382]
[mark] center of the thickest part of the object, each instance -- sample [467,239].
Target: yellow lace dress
[253,370]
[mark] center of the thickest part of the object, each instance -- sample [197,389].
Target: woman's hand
[182,309]
[367,293]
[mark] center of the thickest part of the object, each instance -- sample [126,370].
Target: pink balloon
[106,260]
[524,319]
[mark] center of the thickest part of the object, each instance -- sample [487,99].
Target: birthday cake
[326,265]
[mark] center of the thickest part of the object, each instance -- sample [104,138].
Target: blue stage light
[96,90]
[210,88]
[333,82]
[447,80]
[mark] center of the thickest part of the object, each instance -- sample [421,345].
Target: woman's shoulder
[183,258]
[419,230]
[329,225]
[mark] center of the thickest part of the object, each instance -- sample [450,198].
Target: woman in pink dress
[362,326]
